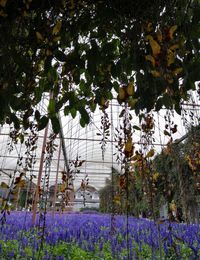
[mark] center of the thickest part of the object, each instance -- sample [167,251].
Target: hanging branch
[125,145]
[43,198]
[66,188]
[113,220]
[84,187]
[68,178]
[17,182]
[30,159]
[125,148]
[147,139]
[105,126]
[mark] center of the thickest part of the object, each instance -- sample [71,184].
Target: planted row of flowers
[89,236]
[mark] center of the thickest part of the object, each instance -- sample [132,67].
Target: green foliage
[90,209]
[73,251]
[9,246]
[70,252]
[81,52]
[137,201]
[22,199]
[178,167]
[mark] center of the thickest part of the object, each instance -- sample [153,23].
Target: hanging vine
[68,177]
[124,140]
[24,163]
[44,190]
[146,154]
[105,125]
[125,146]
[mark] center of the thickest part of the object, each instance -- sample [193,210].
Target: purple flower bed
[92,233]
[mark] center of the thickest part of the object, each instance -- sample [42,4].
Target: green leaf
[167,101]
[76,77]
[116,86]
[21,137]
[37,115]
[82,85]
[25,123]
[59,55]
[73,112]
[109,95]
[82,122]
[66,110]
[22,62]
[15,120]
[84,115]
[178,109]
[51,107]
[159,104]
[55,124]
[136,127]
[93,106]
[43,122]
[52,74]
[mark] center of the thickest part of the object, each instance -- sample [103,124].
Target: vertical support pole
[56,181]
[36,196]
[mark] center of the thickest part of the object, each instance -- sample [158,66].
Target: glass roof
[85,144]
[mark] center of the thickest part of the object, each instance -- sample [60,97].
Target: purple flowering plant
[89,236]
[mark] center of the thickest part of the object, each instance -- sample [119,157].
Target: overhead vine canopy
[79,51]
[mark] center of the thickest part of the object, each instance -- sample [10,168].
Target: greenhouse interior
[99,130]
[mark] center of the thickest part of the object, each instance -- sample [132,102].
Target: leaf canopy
[81,51]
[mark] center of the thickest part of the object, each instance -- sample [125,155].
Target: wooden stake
[56,181]
[36,196]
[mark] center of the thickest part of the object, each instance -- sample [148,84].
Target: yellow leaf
[4,185]
[129,145]
[151,59]
[15,190]
[117,200]
[159,35]
[170,80]
[62,188]
[56,39]
[150,153]
[48,52]
[174,47]
[149,27]
[122,94]
[57,27]
[136,157]
[177,71]
[173,205]
[3,3]
[39,36]
[172,30]
[132,102]
[170,57]
[21,184]
[3,14]
[130,89]
[160,221]
[154,45]
[155,73]
[155,176]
